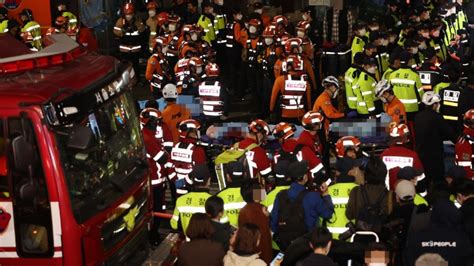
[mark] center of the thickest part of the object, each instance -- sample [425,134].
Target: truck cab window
[31,207]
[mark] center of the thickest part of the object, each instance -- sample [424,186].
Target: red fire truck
[74,183]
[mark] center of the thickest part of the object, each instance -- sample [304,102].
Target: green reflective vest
[441,49]
[340,197]
[419,200]
[357,46]
[206,24]
[387,73]
[34,31]
[364,90]
[233,203]
[406,85]
[71,19]
[220,20]
[4,26]
[350,80]
[186,206]
[441,86]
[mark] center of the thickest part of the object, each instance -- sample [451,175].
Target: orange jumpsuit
[323,104]
[279,89]
[396,110]
[173,114]
[307,68]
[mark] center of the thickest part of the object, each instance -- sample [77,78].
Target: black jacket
[318,259]
[222,233]
[466,100]
[467,212]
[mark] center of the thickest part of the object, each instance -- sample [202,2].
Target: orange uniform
[154,71]
[291,99]
[308,69]
[396,110]
[173,114]
[323,104]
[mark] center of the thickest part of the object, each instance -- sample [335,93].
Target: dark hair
[246,190]
[214,206]
[375,171]
[152,104]
[320,237]
[246,241]
[193,2]
[200,227]
[467,188]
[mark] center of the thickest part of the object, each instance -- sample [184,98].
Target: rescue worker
[31,30]
[257,160]
[430,132]
[231,195]
[194,201]
[394,64]
[195,34]
[351,77]
[128,29]
[181,69]
[158,71]
[173,113]
[173,34]
[152,22]
[161,167]
[60,26]
[193,77]
[324,104]
[253,47]
[163,132]
[406,85]
[234,45]
[219,23]
[339,192]
[312,123]
[272,52]
[393,107]
[360,39]
[294,90]
[365,90]
[349,146]
[3,20]
[284,133]
[465,145]
[399,154]
[302,29]
[213,95]
[281,23]
[258,14]
[430,73]
[186,154]
[72,22]
[206,22]
[162,24]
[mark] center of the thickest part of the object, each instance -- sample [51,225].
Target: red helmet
[196,28]
[343,143]
[269,32]
[280,19]
[295,62]
[128,9]
[469,119]
[400,134]
[284,130]
[152,5]
[188,125]
[174,19]
[312,120]
[162,18]
[259,126]
[303,25]
[212,70]
[196,62]
[255,22]
[186,48]
[292,43]
[186,28]
[159,41]
[61,21]
[148,113]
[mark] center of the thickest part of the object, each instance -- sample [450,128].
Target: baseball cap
[369,61]
[405,190]
[429,53]
[282,169]
[456,172]
[297,170]
[408,173]
[200,174]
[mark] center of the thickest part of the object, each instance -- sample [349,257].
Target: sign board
[319,2]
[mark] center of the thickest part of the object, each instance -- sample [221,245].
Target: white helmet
[381,87]
[331,80]
[170,91]
[430,98]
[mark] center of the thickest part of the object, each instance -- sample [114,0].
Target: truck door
[26,224]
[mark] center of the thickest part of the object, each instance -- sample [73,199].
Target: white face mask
[385,43]
[165,49]
[305,17]
[194,37]
[128,17]
[425,34]
[376,28]
[362,32]
[151,13]
[422,46]
[300,34]
[268,41]
[220,2]
[371,70]
[258,11]
[172,27]
[383,99]
[414,50]
[198,70]
[417,19]
[239,17]
[392,39]
[334,94]
[252,29]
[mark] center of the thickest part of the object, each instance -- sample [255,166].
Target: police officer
[206,22]
[3,20]
[465,145]
[186,154]
[231,195]
[194,201]
[365,90]
[351,77]
[430,73]
[158,71]
[360,39]
[436,41]
[31,31]
[394,64]
[392,105]
[213,96]
[406,85]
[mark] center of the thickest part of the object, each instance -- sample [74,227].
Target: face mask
[414,50]
[417,19]
[383,99]
[334,94]
[392,39]
[300,34]
[362,32]
[220,2]
[422,46]
[172,27]
[165,49]
[376,28]
[268,41]
[425,34]
[151,13]
[239,17]
[128,17]
[252,29]
[371,70]
[194,37]
[385,43]
[198,70]
[258,11]
[305,17]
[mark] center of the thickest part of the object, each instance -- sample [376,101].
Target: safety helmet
[284,130]
[186,29]
[330,80]
[400,134]
[303,25]
[188,125]
[162,18]
[269,32]
[312,120]
[346,142]
[196,28]
[280,19]
[159,41]
[188,51]
[152,5]
[212,70]
[295,62]
[259,126]
[255,22]
[469,119]
[128,9]
[381,87]
[149,113]
[170,91]
[60,21]
[292,43]
[196,62]
[28,13]
[174,19]
[430,98]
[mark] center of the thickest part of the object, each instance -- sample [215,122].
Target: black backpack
[289,157]
[371,216]
[291,218]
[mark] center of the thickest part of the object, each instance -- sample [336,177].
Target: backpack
[291,219]
[234,154]
[371,216]
[289,157]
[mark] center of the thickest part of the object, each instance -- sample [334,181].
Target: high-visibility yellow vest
[357,46]
[233,203]
[340,197]
[186,206]
[365,93]
[406,85]
[209,33]
[350,79]
[34,30]
[4,26]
